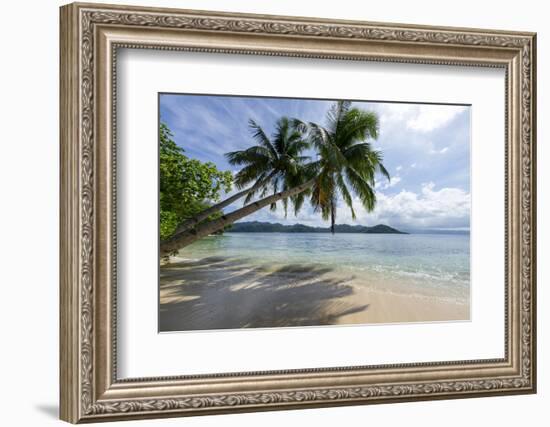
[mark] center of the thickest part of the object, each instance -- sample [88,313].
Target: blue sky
[426,149]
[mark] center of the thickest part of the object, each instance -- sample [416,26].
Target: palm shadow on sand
[222,293]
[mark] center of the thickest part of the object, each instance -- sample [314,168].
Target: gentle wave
[431,265]
[438,275]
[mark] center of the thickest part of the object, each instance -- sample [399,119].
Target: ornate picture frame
[90,37]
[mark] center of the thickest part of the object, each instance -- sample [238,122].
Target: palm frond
[322,140]
[335,115]
[285,207]
[357,126]
[322,192]
[298,202]
[280,138]
[312,169]
[249,198]
[318,136]
[382,169]
[362,188]
[249,174]
[299,125]
[376,159]
[359,155]
[346,195]
[295,147]
[255,154]
[261,138]
[275,185]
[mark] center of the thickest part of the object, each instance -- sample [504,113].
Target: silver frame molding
[90,37]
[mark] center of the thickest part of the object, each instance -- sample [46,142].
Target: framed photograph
[266,212]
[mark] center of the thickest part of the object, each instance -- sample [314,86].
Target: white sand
[216,293]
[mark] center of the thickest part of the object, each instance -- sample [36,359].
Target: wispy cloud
[441,151]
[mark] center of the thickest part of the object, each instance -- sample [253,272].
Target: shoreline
[223,293]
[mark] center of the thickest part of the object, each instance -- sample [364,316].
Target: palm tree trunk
[180,240]
[332,216]
[201,216]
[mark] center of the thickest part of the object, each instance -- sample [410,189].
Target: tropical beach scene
[290,212]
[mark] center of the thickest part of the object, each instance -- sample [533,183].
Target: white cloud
[420,118]
[394,181]
[398,168]
[413,165]
[383,185]
[430,117]
[447,207]
[442,151]
[430,208]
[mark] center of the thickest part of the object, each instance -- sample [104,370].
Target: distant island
[268,227]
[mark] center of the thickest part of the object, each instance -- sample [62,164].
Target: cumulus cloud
[429,117]
[420,118]
[431,208]
[385,184]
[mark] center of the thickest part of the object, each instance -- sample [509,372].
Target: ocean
[432,265]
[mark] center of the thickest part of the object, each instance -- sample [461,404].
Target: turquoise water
[430,264]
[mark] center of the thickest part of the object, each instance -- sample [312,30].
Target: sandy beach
[226,293]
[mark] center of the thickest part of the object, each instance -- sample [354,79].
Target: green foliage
[187,186]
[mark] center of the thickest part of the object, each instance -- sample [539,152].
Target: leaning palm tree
[344,159]
[273,163]
[270,163]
